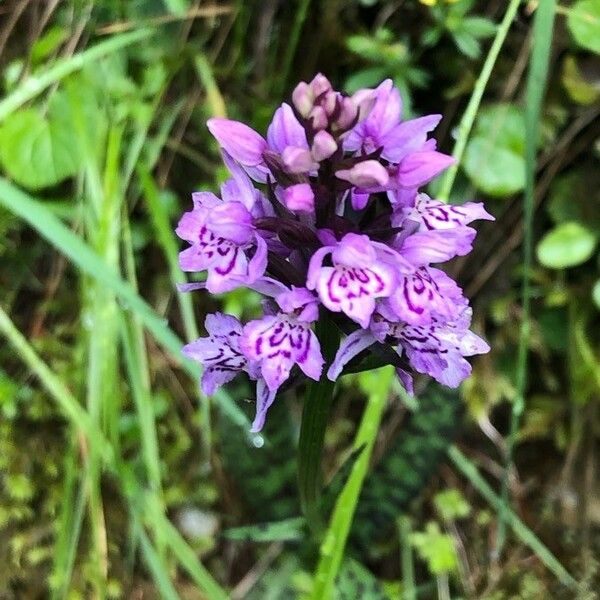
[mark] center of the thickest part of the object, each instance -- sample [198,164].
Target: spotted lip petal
[425,294]
[439,349]
[277,343]
[353,290]
[219,353]
[433,214]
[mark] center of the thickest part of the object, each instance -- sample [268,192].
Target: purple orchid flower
[340,226]
[438,349]
[278,342]
[222,237]
[357,278]
[222,358]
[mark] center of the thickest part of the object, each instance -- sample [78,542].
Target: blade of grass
[142,398]
[36,84]
[470,471]
[468,118]
[68,525]
[63,239]
[166,240]
[68,405]
[214,98]
[100,323]
[157,568]
[334,540]
[185,555]
[543,26]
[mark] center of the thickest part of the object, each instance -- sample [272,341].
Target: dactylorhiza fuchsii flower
[324,217]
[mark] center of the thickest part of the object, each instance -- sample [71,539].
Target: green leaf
[494,156]
[35,151]
[480,27]
[584,24]
[436,549]
[467,43]
[567,245]
[451,505]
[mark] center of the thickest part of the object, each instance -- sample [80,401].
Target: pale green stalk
[543,26]
[334,540]
[466,123]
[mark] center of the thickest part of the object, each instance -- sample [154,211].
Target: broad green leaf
[584,24]
[37,151]
[494,158]
[567,245]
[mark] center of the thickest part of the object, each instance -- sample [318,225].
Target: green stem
[466,123]
[409,591]
[312,430]
[334,541]
[543,26]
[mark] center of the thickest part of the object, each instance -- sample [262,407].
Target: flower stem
[312,429]
[466,123]
[334,541]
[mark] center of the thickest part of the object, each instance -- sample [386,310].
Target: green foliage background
[118,480]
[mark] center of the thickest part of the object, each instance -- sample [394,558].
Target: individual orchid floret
[355,280]
[433,214]
[222,359]
[425,294]
[383,128]
[438,349]
[241,142]
[278,342]
[224,242]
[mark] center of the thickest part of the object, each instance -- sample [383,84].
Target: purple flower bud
[303,98]
[320,85]
[323,146]
[299,198]
[298,160]
[365,174]
[238,140]
[319,118]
